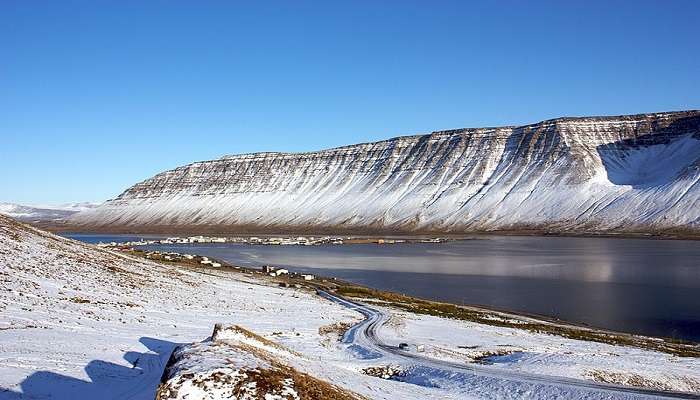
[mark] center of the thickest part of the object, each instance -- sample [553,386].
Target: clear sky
[98,95]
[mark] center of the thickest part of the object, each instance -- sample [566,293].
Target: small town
[206,262]
[273,241]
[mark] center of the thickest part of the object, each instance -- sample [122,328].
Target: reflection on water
[634,285]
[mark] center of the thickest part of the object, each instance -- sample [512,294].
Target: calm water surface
[642,286]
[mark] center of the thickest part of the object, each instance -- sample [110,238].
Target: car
[403,346]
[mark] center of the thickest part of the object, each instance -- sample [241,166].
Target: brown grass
[636,380]
[267,381]
[79,300]
[219,329]
[270,380]
[338,328]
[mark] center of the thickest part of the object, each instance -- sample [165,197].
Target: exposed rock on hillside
[237,363]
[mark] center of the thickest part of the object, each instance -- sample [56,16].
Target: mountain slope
[43,213]
[626,173]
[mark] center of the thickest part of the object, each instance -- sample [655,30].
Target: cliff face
[627,173]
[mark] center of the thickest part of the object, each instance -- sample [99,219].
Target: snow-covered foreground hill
[78,322]
[626,173]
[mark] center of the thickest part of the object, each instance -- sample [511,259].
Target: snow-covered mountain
[44,213]
[623,173]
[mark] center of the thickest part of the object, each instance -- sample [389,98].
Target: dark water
[649,287]
[95,238]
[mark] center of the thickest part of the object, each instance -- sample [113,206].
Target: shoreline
[474,305]
[63,230]
[528,316]
[468,312]
[245,230]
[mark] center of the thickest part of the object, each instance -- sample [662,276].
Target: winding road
[364,341]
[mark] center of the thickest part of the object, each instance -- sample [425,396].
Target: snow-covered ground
[78,322]
[237,363]
[528,352]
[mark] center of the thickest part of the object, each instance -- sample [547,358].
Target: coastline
[110,296]
[537,312]
[369,232]
[475,313]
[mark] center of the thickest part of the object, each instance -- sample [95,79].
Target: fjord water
[641,286]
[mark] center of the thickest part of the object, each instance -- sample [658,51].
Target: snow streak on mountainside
[626,173]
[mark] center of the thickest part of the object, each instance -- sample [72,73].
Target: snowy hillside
[78,322]
[44,213]
[627,173]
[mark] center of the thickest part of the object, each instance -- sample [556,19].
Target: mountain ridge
[609,174]
[447,131]
[43,213]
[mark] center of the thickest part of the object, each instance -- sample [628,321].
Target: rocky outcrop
[235,363]
[625,173]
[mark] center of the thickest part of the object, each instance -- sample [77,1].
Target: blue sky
[98,95]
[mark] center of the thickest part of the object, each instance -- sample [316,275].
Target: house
[216,265]
[267,268]
[307,277]
[189,256]
[205,262]
[282,271]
